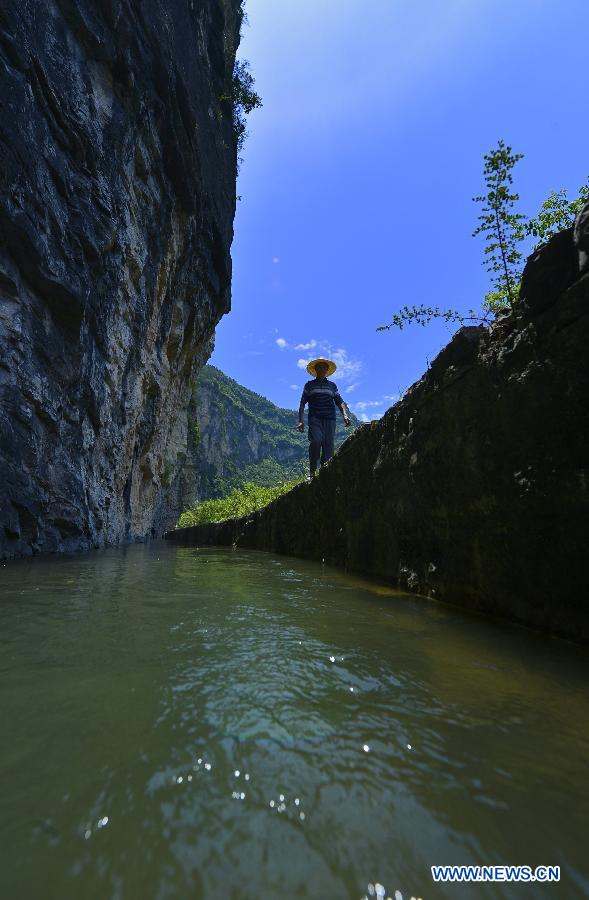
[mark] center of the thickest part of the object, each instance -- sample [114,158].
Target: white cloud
[295,387]
[275,259]
[352,387]
[346,367]
[361,405]
[364,417]
[365,404]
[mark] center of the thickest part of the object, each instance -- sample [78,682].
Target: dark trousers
[321,436]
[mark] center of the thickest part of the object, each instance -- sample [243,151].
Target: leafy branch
[422,315]
[556,214]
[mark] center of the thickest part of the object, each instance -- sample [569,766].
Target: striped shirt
[321,397]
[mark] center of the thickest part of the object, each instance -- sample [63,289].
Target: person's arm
[342,407]
[344,412]
[301,425]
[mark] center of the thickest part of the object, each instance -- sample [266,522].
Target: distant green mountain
[236,435]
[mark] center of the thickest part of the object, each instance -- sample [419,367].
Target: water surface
[209,723]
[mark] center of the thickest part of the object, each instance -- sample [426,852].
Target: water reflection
[209,723]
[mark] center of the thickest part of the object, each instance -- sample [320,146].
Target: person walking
[322,396]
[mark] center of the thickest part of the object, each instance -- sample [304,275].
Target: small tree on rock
[502,227]
[504,230]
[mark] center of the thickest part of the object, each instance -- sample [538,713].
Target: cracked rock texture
[474,488]
[117,172]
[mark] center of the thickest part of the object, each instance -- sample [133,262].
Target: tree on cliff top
[504,231]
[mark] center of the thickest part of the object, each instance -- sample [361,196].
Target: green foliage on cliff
[244,99]
[504,230]
[239,95]
[194,432]
[556,214]
[240,502]
[257,408]
[267,473]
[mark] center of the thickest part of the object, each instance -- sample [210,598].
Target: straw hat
[331,366]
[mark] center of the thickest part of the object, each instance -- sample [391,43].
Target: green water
[183,723]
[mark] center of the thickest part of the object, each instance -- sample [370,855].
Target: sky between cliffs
[359,173]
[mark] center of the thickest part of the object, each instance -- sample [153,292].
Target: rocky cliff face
[474,489]
[117,172]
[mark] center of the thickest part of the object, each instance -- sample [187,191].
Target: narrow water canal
[183,723]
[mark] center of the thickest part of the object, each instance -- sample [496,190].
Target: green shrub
[194,432]
[240,502]
[242,99]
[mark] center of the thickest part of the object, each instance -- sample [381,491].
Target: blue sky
[359,172]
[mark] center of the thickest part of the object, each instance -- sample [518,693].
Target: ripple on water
[232,719]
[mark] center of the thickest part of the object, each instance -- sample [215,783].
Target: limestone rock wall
[117,175]
[474,489]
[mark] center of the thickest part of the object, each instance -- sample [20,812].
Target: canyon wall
[117,174]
